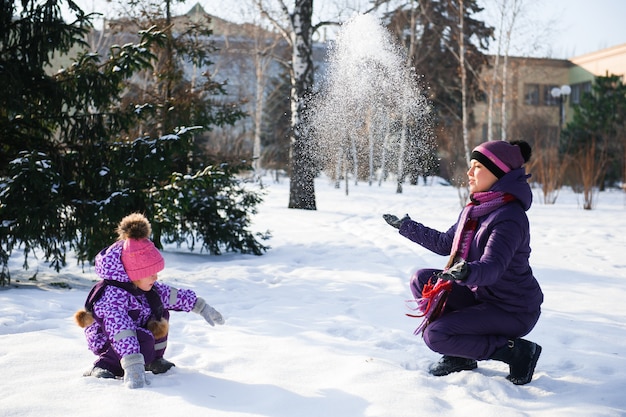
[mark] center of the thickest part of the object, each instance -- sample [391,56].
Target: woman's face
[145,284]
[480,178]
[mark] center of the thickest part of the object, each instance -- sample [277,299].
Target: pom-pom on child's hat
[140,257]
[501,157]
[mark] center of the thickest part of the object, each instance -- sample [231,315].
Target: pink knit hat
[140,257]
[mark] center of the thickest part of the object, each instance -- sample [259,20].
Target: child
[126,314]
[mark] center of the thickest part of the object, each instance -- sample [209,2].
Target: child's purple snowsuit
[120,317]
[500,299]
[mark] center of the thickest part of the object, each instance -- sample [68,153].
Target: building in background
[543,91]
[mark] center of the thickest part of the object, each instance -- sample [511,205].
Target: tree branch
[284,32]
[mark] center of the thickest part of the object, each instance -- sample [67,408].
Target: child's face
[145,284]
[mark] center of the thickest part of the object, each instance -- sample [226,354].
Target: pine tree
[596,136]
[70,169]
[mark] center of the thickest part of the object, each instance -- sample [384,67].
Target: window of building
[548,98]
[541,94]
[531,94]
[575,94]
[578,90]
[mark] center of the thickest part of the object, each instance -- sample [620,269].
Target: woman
[494,298]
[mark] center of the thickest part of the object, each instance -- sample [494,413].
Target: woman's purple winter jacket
[119,314]
[498,259]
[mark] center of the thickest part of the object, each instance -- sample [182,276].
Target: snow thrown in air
[370,99]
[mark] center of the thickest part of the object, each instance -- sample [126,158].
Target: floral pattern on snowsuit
[119,315]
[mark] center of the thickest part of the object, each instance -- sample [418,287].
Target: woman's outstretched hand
[394,221]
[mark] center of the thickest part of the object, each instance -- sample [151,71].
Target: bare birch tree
[494,79]
[297,29]
[463,71]
[515,10]
[264,54]
[515,31]
[412,36]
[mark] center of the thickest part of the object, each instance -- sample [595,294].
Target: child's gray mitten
[210,314]
[134,371]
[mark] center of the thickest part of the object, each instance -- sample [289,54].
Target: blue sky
[577,27]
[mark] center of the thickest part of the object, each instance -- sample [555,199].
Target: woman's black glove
[394,221]
[457,272]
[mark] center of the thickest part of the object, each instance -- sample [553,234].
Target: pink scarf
[435,294]
[481,204]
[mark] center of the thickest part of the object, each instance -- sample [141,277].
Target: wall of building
[529,82]
[609,61]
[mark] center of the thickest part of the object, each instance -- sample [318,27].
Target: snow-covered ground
[317,327]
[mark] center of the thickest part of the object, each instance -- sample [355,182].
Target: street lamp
[561,93]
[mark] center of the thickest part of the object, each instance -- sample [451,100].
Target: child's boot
[159,366]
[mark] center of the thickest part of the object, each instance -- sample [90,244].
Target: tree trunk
[263,52]
[494,80]
[355,159]
[463,80]
[504,126]
[383,166]
[400,178]
[515,11]
[302,186]
[492,93]
[258,114]
[400,174]
[371,142]
[338,169]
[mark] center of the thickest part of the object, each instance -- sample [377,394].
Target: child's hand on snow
[211,315]
[134,371]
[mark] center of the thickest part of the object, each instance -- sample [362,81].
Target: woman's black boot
[449,364]
[521,356]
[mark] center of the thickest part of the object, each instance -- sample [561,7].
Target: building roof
[604,62]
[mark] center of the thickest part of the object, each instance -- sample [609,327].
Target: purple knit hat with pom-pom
[499,156]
